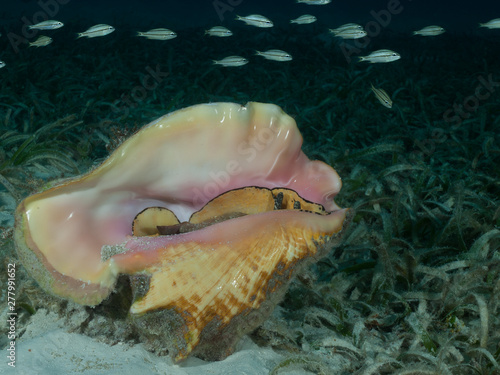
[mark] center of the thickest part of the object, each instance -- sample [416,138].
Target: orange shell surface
[229,269]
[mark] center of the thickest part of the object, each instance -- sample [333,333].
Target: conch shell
[210,210]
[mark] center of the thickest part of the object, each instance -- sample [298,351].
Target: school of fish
[346,31]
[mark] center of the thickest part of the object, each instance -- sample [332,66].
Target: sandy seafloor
[59,352]
[47,349]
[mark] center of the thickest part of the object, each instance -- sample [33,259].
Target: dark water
[457,16]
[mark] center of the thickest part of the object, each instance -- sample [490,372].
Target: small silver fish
[2,64]
[304,20]
[382,97]
[315,2]
[158,34]
[349,26]
[256,20]
[493,24]
[41,41]
[430,31]
[219,31]
[349,31]
[97,30]
[275,54]
[231,61]
[381,56]
[47,25]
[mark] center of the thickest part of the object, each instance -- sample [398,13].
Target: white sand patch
[46,348]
